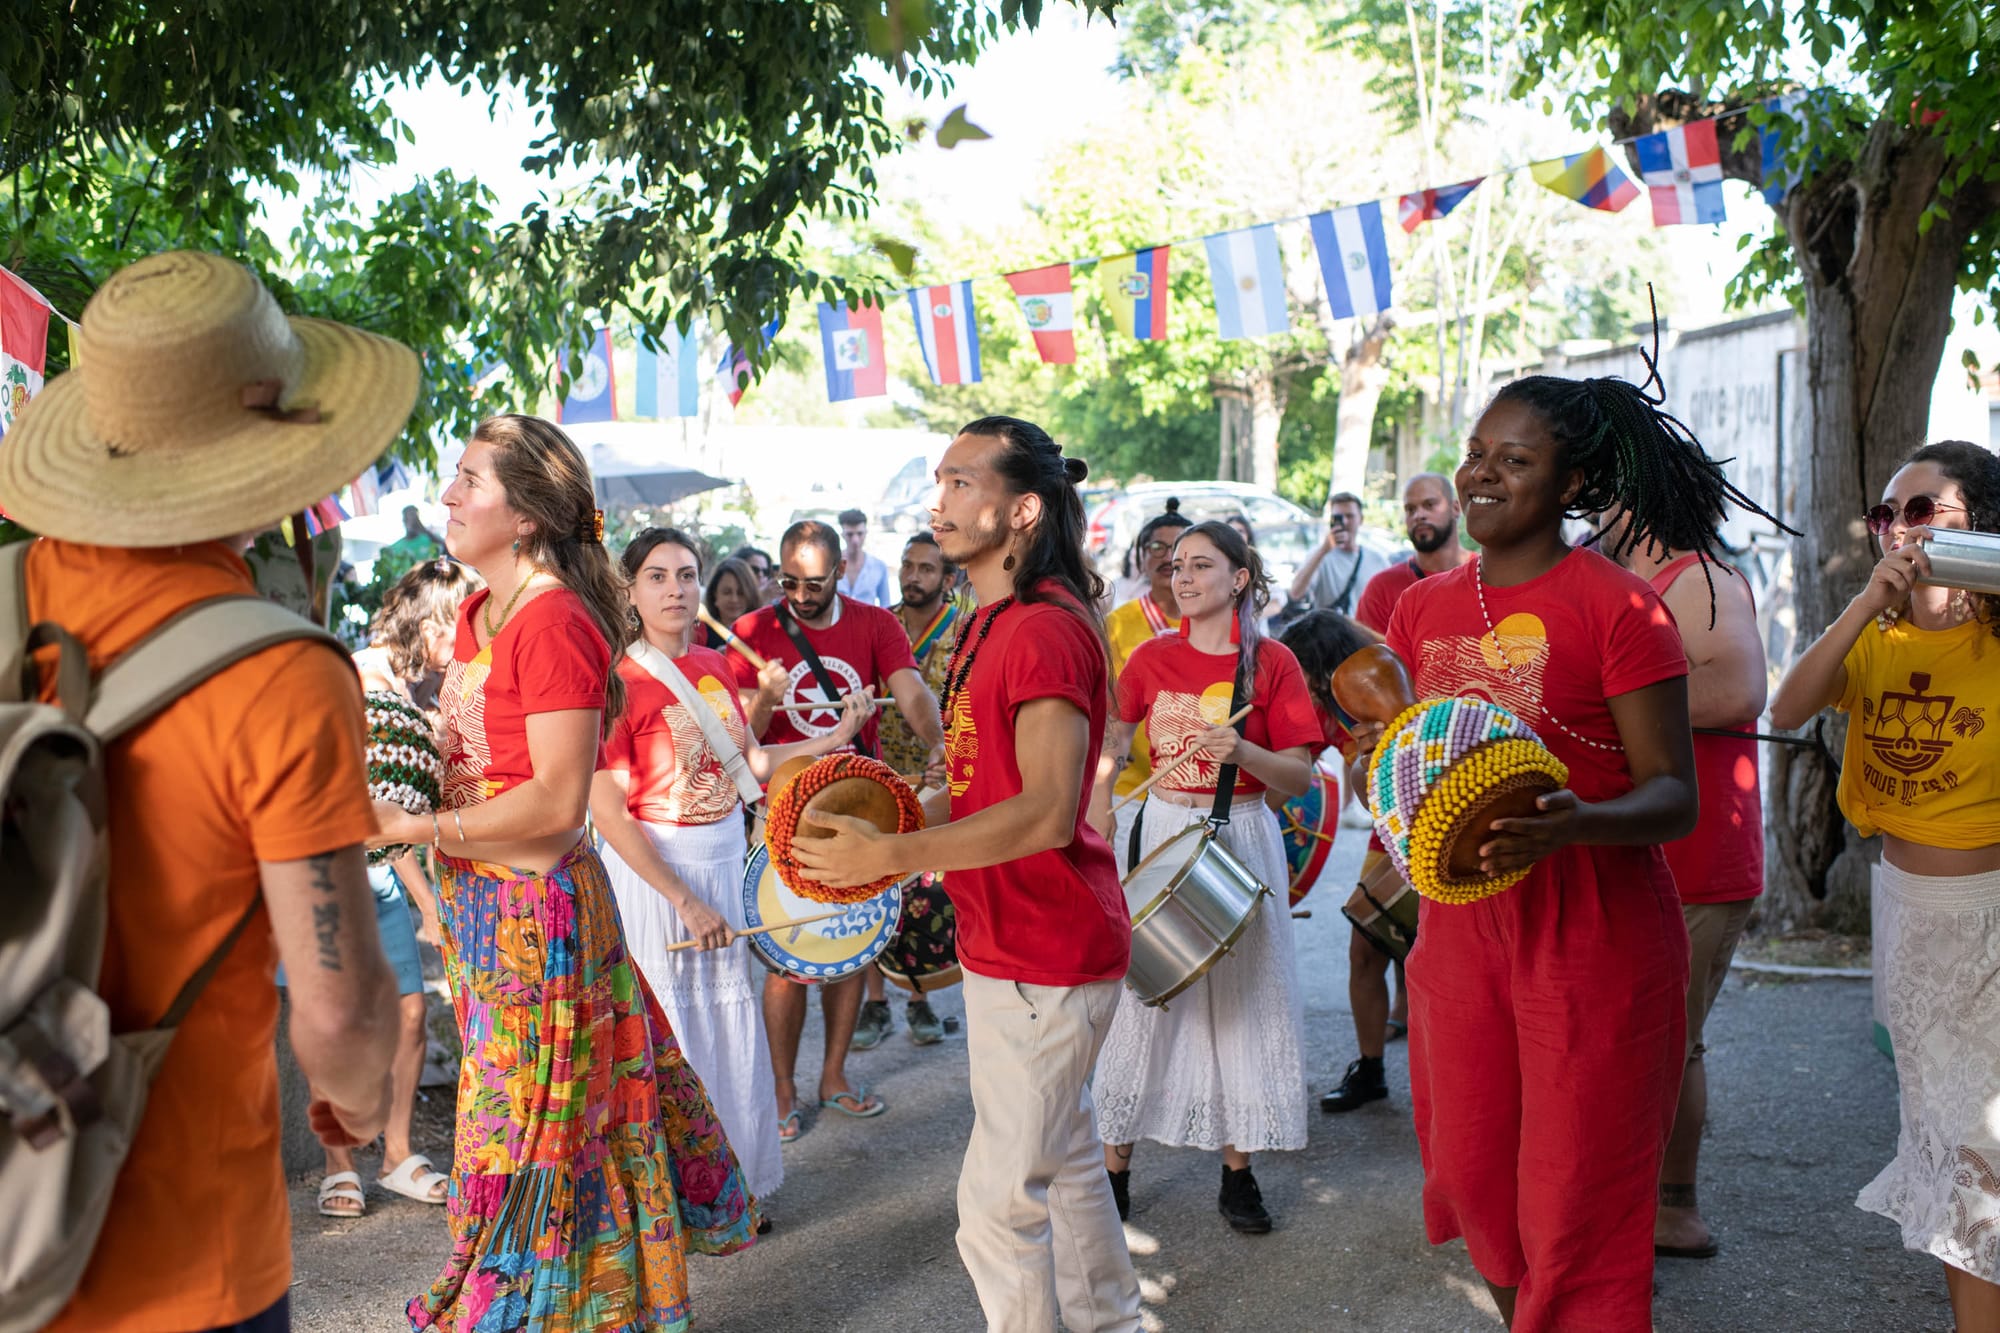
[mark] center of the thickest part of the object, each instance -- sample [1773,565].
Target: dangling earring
[517,546]
[1961,604]
[1008,563]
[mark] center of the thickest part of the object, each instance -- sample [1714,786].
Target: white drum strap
[661,668]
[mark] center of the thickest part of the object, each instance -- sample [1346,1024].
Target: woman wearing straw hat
[587,1154]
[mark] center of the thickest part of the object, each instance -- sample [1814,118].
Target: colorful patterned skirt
[587,1158]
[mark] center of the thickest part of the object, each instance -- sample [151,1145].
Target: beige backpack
[72,1091]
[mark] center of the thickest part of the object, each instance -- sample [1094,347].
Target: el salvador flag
[1354,259]
[1249,280]
[670,378]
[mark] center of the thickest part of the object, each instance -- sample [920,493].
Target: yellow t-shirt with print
[1923,735]
[1126,628]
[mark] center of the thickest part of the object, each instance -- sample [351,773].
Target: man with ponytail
[1043,933]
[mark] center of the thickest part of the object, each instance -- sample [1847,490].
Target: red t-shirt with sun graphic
[1179,692]
[548,658]
[676,778]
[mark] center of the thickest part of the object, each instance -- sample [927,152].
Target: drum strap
[827,685]
[1225,781]
[661,668]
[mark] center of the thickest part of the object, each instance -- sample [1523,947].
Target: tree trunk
[1362,379]
[1268,393]
[1878,296]
[1237,417]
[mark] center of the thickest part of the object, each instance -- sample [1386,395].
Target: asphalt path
[1804,1114]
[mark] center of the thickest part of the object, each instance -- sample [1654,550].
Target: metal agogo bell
[1962,559]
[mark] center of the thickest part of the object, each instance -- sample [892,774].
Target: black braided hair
[1322,640]
[1977,472]
[1635,454]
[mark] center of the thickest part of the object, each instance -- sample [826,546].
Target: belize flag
[1248,276]
[24,345]
[948,331]
[669,376]
[850,342]
[1414,210]
[1682,168]
[1354,259]
[1592,179]
[1049,306]
[732,373]
[588,394]
[1135,292]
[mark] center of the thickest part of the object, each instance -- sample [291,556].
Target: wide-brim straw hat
[153,439]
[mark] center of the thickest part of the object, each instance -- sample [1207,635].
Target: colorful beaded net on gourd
[404,766]
[782,822]
[1438,760]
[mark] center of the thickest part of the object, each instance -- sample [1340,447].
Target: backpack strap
[14,626]
[186,650]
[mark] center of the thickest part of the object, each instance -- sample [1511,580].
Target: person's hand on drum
[935,772]
[853,852]
[1895,575]
[1517,843]
[1219,743]
[396,825]
[708,928]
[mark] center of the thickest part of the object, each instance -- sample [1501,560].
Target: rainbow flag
[1592,179]
[1135,291]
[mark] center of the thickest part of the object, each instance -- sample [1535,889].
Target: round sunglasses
[1919,510]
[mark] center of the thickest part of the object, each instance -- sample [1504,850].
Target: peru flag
[850,342]
[24,345]
[1682,168]
[1429,205]
[1050,309]
[948,332]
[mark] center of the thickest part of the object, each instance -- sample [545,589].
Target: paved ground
[1805,1114]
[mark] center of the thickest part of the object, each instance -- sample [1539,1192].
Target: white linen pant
[1037,1226]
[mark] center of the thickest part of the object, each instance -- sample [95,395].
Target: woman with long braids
[1917,671]
[1223,1067]
[668,805]
[587,1157]
[1547,1022]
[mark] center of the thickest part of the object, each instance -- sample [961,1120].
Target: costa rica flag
[1682,168]
[947,331]
[850,342]
[1049,306]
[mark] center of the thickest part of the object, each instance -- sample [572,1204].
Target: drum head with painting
[824,950]
[1309,823]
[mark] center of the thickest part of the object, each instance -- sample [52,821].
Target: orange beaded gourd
[840,784]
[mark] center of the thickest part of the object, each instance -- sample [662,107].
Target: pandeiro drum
[1309,821]
[821,950]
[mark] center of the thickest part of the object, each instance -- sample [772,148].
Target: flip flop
[788,1127]
[1396,1031]
[344,1185]
[1708,1251]
[859,1096]
[416,1179]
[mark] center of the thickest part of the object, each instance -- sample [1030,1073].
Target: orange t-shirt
[263,761]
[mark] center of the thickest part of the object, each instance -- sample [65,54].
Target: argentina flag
[1249,281]
[1354,259]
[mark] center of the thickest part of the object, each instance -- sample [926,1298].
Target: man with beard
[931,620]
[1430,517]
[1339,568]
[1043,934]
[858,647]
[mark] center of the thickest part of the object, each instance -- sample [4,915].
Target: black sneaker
[1363,1084]
[926,1028]
[1242,1203]
[1121,1191]
[873,1025]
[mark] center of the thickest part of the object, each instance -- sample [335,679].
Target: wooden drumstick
[1186,755]
[729,636]
[766,929]
[888,701]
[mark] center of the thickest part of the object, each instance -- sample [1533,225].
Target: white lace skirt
[1224,1063]
[713,998]
[1937,963]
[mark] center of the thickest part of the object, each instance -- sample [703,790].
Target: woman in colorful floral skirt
[588,1158]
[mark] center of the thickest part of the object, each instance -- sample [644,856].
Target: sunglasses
[792,583]
[1920,510]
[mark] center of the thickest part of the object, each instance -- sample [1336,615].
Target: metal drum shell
[1190,922]
[1963,559]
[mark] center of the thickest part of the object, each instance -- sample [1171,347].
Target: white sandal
[415,1178]
[342,1185]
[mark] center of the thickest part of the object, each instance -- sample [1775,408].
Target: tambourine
[1444,770]
[839,784]
[404,766]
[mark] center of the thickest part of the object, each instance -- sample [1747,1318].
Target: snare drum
[824,950]
[1309,821]
[1191,899]
[923,954]
[1383,908]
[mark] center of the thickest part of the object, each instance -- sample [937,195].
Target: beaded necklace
[968,648]
[1479,586]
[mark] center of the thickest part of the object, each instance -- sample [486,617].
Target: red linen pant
[1546,1034]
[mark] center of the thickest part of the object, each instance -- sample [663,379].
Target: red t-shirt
[1056,918]
[1722,861]
[1180,691]
[548,658]
[1585,632]
[864,646]
[676,778]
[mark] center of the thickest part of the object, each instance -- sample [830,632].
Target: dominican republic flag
[1354,259]
[1682,168]
[732,373]
[24,345]
[850,342]
[1591,179]
[1050,309]
[588,393]
[669,376]
[947,329]
[1135,292]
[1248,276]
[1430,205]
[364,497]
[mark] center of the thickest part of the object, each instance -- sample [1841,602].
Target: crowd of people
[609,723]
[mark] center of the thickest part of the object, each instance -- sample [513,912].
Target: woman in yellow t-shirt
[1917,671]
